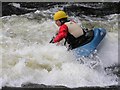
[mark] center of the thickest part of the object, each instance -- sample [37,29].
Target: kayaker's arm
[61,34]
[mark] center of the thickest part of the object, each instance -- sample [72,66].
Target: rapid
[28,57]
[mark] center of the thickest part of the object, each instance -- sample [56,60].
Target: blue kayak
[89,48]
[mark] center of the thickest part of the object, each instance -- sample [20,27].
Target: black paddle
[51,41]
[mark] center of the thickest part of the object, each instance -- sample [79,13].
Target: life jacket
[74,29]
[77,36]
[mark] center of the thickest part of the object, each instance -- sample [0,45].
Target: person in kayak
[74,35]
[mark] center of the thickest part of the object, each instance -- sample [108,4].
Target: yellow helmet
[59,15]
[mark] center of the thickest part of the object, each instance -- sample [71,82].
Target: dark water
[82,8]
[44,87]
[73,9]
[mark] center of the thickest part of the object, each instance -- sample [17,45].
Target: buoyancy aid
[77,36]
[74,29]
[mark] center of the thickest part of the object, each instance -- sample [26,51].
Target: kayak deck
[87,49]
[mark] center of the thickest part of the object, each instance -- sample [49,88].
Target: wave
[27,57]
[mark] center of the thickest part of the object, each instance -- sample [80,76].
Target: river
[28,57]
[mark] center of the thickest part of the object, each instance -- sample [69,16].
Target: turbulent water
[28,57]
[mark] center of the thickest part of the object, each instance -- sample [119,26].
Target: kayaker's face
[58,23]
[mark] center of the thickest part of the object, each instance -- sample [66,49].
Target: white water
[27,56]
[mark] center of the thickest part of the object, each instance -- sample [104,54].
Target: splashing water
[27,56]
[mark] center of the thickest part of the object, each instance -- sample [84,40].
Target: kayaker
[74,35]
